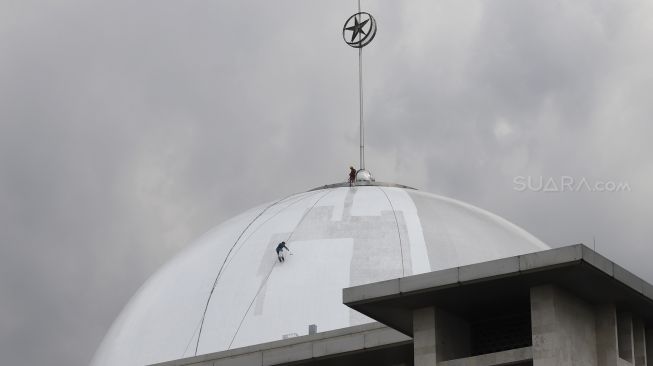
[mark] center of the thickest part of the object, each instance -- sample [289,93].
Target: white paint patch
[233,292]
[299,293]
[402,202]
[336,200]
[369,201]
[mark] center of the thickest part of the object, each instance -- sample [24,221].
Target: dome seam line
[401,247]
[215,283]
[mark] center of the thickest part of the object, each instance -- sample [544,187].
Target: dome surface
[228,289]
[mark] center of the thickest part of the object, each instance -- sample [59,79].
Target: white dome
[339,237]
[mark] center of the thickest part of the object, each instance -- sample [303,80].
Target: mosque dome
[229,290]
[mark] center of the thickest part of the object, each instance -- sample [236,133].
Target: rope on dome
[264,282]
[215,282]
[311,194]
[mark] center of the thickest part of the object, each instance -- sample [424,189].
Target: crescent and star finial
[362,27]
[359,30]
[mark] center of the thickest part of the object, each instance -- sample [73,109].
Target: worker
[280,249]
[352,175]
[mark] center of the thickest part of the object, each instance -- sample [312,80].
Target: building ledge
[509,357]
[462,289]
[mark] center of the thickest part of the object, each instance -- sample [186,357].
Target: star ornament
[359,30]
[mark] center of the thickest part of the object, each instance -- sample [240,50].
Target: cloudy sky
[128,128]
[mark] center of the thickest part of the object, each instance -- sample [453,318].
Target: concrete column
[625,337]
[607,353]
[424,337]
[639,342]
[563,329]
[649,346]
[439,336]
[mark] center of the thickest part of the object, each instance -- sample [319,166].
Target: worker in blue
[280,249]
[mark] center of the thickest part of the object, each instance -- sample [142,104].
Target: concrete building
[566,306]
[427,281]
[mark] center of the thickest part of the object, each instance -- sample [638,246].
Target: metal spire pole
[358,32]
[360,94]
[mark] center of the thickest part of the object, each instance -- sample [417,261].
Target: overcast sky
[128,128]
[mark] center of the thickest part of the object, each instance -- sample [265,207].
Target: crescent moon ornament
[359,30]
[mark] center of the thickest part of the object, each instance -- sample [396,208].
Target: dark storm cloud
[129,128]
[530,88]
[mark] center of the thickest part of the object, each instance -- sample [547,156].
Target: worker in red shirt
[352,176]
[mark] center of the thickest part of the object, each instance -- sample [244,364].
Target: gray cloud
[127,129]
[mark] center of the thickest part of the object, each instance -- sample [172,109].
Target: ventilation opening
[501,333]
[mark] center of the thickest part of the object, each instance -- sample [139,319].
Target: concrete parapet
[242,360]
[301,349]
